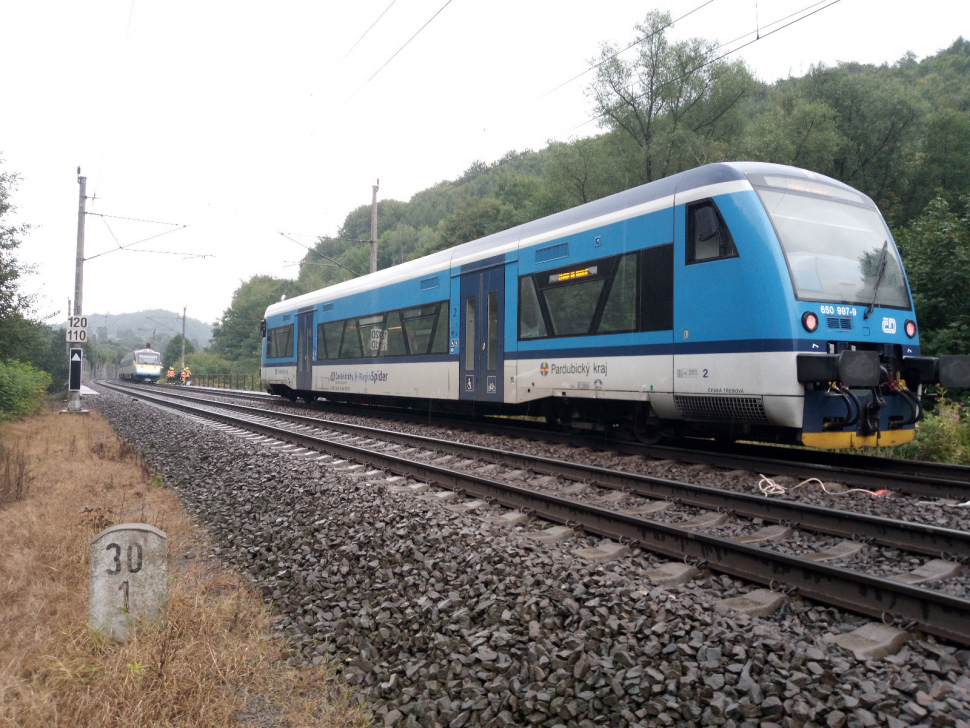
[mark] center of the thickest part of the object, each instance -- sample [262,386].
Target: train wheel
[560,418]
[648,434]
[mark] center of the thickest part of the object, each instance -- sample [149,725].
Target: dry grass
[211,665]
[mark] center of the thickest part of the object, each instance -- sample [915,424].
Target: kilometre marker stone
[129,566]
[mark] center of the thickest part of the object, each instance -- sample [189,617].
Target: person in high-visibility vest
[170,375]
[186,373]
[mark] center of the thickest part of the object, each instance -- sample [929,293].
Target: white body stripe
[435,380]
[654,379]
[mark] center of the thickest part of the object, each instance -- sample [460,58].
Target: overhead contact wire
[143,240]
[326,257]
[402,47]
[369,29]
[133,219]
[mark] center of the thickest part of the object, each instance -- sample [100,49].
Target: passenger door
[304,351]
[713,304]
[482,335]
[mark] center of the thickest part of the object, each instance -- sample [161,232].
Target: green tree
[794,130]
[579,171]
[17,315]
[401,244]
[678,103]
[944,162]
[473,218]
[936,251]
[237,335]
[877,116]
[205,362]
[173,351]
[357,224]
[22,389]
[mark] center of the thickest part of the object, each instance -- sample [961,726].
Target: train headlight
[810,322]
[910,327]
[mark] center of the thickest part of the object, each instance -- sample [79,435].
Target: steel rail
[930,480]
[930,486]
[849,461]
[905,535]
[936,613]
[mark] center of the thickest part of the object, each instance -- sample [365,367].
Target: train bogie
[717,302]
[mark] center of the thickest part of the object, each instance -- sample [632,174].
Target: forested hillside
[899,132]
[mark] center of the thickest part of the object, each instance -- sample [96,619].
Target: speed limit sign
[77,329]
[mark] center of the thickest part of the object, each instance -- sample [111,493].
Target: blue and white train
[141,365]
[733,300]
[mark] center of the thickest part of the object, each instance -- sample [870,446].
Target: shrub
[246,365]
[943,435]
[22,389]
[204,362]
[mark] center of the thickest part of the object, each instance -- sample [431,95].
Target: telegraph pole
[373,229]
[183,339]
[79,261]
[74,396]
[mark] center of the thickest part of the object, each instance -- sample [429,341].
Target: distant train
[141,365]
[739,300]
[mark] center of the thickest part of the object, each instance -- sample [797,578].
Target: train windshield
[148,357]
[835,241]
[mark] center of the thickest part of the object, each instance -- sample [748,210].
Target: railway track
[926,479]
[430,460]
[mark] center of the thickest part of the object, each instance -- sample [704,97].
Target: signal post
[77,325]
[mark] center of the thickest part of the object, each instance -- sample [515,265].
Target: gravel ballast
[433,618]
[916,509]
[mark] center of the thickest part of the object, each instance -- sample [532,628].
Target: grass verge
[212,664]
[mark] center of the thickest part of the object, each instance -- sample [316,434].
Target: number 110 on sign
[77,329]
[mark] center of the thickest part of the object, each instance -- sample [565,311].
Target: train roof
[534,231]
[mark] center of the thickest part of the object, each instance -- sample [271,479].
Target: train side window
[394,336]
[491,337]
[372,334]
[333,331]
[440,343]
[350,346]
[657,288]
[531,323]
[620,312]
[321,343]
[708,237]
[470,334]
[419,326]
[279,342]
[571,307]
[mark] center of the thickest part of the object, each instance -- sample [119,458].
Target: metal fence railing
[228,381]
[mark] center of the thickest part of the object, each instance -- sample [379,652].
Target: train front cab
[774,337]
[851,312]
[732,332]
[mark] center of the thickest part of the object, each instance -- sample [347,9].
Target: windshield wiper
[881,269]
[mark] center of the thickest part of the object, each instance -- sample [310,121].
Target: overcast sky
[242,120]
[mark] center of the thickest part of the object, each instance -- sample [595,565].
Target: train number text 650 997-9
[838,310]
